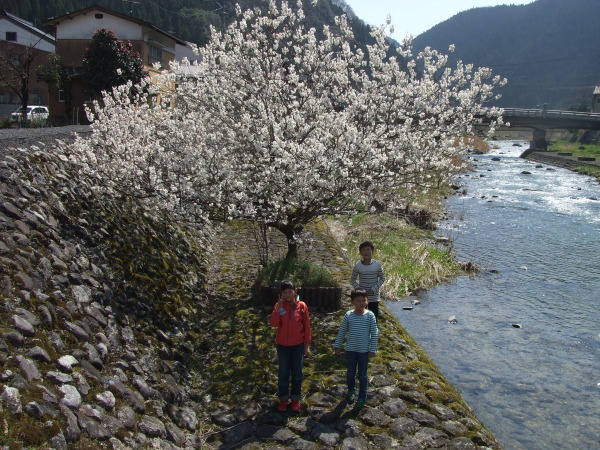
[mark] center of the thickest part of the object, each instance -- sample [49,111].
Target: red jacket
[292,322]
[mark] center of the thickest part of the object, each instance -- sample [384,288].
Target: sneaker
[359,405]
[295,405]
[350,395]
[282,406]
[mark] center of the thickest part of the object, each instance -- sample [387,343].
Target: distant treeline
[189,20]
[548,50]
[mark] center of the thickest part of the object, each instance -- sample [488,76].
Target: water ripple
[539,233]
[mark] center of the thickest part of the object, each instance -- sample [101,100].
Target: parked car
[35,113]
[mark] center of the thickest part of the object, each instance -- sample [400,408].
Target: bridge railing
[550,113]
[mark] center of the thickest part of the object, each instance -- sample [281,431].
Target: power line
[179,13]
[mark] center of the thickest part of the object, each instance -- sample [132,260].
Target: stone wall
[95,346]
[554,159]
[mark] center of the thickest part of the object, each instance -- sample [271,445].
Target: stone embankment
[86,361]
[112,337]
[564,160]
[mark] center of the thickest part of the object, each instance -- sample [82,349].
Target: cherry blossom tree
[281,124]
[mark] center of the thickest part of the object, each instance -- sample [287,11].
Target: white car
[35,113]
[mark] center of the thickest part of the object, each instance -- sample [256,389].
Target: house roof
[53,21]
[22,23]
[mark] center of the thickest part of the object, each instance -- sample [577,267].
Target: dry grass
[410,257]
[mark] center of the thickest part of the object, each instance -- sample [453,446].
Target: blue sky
[417,16]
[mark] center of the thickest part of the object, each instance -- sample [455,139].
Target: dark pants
[291,359]
[374,308]
[360,360]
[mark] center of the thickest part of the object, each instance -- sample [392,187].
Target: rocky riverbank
[121,330]
[566,161]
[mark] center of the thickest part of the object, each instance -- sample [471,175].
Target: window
[99,16]
[154,55]
[61,96]
[37,99]
[11,36]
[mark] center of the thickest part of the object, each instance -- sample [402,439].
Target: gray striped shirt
[368,276]
[361,332]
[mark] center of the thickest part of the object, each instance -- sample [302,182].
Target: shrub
[302,273]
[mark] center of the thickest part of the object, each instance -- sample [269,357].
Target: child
[368,275]
[293,336]
[360,327]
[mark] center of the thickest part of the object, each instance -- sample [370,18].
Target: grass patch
[589,170]
[410,258]
[302,273]
[578,149]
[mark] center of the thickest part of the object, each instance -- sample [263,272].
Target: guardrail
[550,113]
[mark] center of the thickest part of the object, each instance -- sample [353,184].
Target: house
[74,32]
[596,100]
[23,48]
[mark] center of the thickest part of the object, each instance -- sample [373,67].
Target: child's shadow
[339,412]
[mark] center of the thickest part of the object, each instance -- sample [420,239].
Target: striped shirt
[361,332]
[368,276]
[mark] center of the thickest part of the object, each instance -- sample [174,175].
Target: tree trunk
[290,232]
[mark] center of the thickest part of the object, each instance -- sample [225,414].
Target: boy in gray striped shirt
[359,327]
[368,274]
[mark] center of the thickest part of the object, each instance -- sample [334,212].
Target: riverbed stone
[375,417]
[59,377]
[11,397]
[66,363]
[325,434]
[106,399]
[152,427]
[39,354]
[28,368]
[238,433]
[23,326]
[185,418]
[403,426]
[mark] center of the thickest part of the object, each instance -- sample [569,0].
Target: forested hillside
[189,20]
[548,50]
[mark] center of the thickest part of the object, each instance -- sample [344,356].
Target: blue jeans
[291,360]
[354,359]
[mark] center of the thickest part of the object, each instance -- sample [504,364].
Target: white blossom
[279,124]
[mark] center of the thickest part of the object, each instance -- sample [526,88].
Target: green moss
[441,396]
[24,431]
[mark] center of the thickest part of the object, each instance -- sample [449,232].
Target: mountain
[189,20]
[549,50]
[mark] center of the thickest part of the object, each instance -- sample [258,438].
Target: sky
[417,16]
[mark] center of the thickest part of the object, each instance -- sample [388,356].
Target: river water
[525,351]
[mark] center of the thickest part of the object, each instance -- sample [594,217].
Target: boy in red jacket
[293,335]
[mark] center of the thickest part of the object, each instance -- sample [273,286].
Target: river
[525,351]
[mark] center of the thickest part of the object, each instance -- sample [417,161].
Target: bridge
[541,120]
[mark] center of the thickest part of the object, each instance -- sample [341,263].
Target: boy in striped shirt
[368,274]
[359,328]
